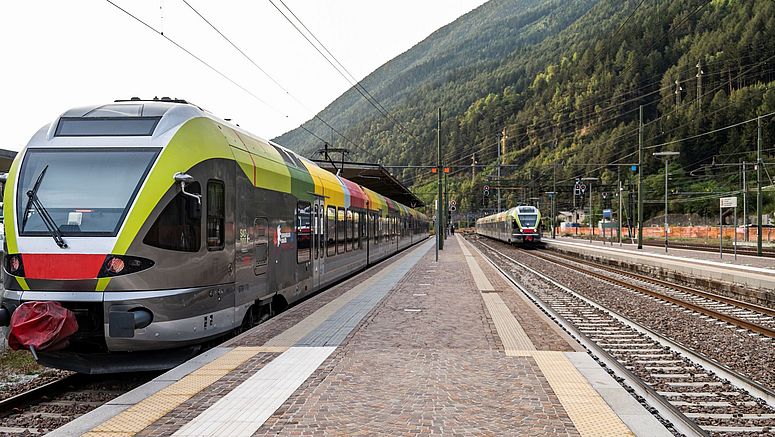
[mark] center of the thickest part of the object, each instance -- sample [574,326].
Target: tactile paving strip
[589,412]
[512,335]
[482,283]
[246,408]
[321,327]
[134,419]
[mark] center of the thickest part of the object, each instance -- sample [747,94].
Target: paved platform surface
[742,260]
[410,347]
[750,278]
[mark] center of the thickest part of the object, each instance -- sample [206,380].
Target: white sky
[58,54]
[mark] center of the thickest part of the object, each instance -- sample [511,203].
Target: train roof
[153,123]
[511,212]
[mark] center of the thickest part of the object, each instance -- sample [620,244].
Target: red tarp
[43,325]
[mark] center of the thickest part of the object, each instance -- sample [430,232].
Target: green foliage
[566,84]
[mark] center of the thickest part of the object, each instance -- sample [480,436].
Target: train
[519,225]
[160,227]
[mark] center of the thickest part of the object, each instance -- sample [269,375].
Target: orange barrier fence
[688,232]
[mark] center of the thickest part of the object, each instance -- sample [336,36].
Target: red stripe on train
[61,266]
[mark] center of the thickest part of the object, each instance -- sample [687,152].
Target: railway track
[745,315]
[47,407]
[694,392]
[747,251]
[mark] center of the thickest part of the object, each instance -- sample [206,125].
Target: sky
[56,55]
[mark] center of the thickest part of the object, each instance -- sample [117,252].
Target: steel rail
[666,410]
[763,330]
[8,405]
[721,370]
[660,282]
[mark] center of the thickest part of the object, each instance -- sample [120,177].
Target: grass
[19,362]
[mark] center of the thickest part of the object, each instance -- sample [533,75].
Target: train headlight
[13,264]
[116,265]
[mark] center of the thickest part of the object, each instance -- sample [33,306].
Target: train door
[317,242]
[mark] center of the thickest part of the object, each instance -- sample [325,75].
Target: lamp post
[591,215]
[667,156]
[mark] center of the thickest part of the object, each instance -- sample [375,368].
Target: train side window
[216,198]
[348,230]
[303,232]
[340,225]
[356,230]
[315,230]
[179,226]
[331,230]
[262,241]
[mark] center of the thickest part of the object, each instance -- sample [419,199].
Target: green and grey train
[161,227]
[518,225]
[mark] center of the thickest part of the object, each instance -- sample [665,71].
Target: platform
[410,346]
[749,277]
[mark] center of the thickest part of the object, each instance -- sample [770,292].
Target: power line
[178,45]
[343,71]
[279,85]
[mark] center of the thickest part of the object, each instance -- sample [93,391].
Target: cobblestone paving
[544,336]
[191,408]
[438,370]
[259,335]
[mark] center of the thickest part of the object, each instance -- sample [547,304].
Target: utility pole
[501,147]
[640,178]
[554,196]
[439,169]
[699,84]
[759,186]
[619,216]
[473,168]
[745,203]
[446,205]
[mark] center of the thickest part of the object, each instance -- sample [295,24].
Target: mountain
[564,81]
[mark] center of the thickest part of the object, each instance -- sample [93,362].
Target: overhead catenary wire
[202,61]
[343,71]
[279,85]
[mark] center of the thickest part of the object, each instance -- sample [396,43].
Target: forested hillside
[564,80]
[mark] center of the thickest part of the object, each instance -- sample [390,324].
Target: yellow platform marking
[589,412]
[482,283]
[300,330]
[139,416]
[512,335]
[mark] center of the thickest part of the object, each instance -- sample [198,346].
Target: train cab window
[262,240]
[331,230]
[179,226]
[340,225]
[303,232]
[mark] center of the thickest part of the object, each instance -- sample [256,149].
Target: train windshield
[528,220]
[86,192]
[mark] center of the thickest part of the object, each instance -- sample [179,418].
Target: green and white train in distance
[161,227]
[518,225]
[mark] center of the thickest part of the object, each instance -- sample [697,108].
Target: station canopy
[6,158]
[374,177]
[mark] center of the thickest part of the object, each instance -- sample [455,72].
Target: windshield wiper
[33,200]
